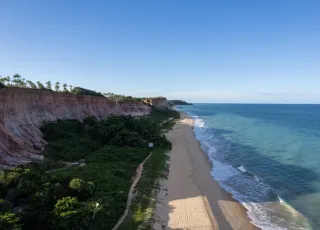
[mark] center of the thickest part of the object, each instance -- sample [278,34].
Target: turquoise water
[267,156]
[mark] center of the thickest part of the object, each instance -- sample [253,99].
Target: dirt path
[131,191]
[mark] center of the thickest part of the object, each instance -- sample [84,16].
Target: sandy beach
[190,198]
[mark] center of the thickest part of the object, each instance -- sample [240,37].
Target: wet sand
[190,198]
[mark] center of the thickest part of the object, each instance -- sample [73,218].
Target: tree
[8,80]
[83,91]
[71,214]
[82,189]
[48,84]
[65,89]
[3,80]
[31,84]
[57,86]
[71,88]
[23,83]
[9,221]
[40,85]
[17,79]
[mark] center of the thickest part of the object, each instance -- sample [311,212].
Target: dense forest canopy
[84,180]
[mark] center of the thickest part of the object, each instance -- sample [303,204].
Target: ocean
[267,157]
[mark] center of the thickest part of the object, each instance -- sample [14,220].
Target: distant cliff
[23,111]
[178,102]
[157,101]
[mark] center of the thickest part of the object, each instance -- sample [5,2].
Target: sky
[248,51]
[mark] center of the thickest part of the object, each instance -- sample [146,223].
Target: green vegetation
[9,221]
[2,85]
[82,91]
[113,96]
[18,81]
[145,98]
[161,114]
[90,193]
[178,102]
[140,214]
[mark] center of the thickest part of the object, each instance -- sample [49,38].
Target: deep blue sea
[267,156]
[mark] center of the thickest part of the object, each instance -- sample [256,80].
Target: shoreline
[215,181]
[191,198]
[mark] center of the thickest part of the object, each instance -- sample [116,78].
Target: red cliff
[23,111]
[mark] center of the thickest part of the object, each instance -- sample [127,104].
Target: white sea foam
[199,123]
[260,212]
[242,169]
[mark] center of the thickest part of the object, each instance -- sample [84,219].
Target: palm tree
[65,89]
[31,84]
[16,79]
[48,84]
[23,83]
[3,80]
[57,86]
[40,85]
[8,80]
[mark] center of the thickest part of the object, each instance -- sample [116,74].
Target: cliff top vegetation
[18,81]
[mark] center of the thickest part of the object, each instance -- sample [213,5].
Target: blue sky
[201,51]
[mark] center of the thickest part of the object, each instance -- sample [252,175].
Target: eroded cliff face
[159,102]
[23,111]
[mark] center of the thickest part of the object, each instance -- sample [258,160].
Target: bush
[26,186]
[5,206]
[2,85]
[71,214]
[115,154]
[164,113]
[61,129]
[83,91]
[12,177]
[71,149]
[83,190]
[9,221]
[90,121]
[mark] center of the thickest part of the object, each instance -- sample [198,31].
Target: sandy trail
[131,192]
[190,198]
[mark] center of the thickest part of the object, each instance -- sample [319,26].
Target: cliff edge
[158,102]
[23,111]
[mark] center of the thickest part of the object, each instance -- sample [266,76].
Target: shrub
[9,221]
[82,189]
[83,91]
[71,149]
[26,186]
[90,120]
[77,184]
[5,206]
[71,214]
